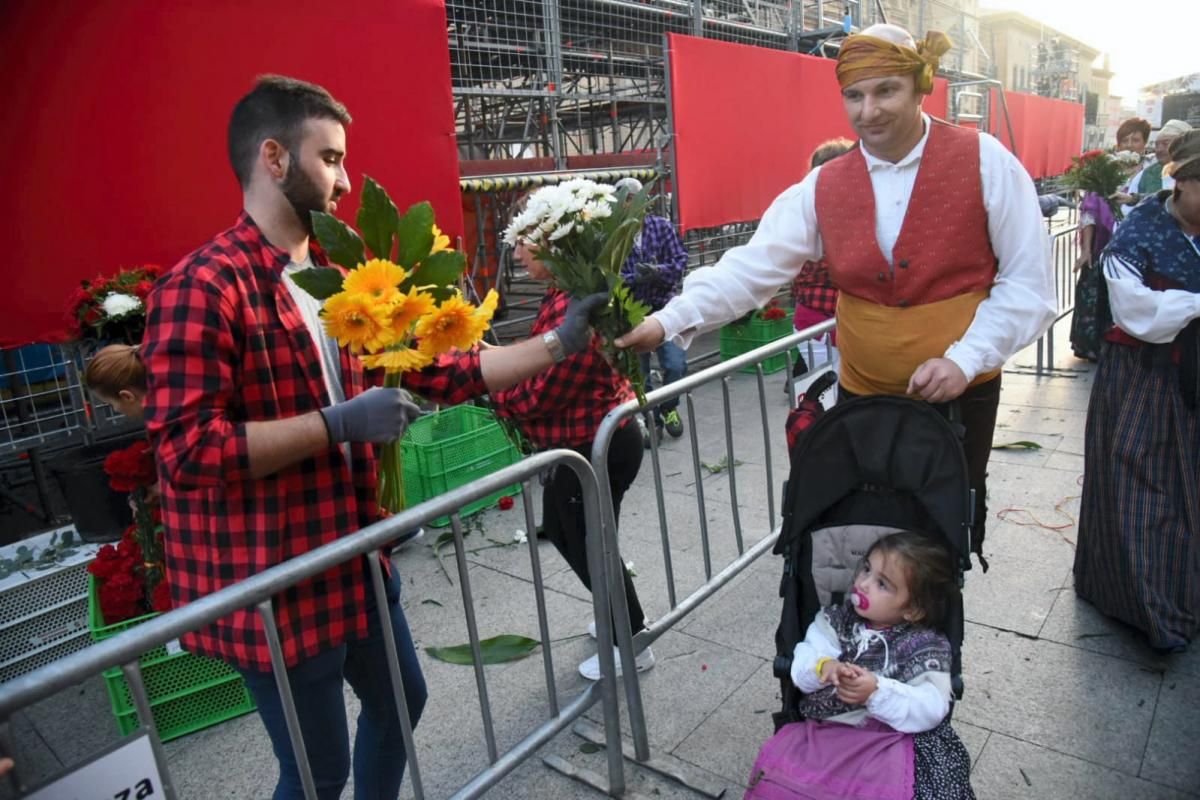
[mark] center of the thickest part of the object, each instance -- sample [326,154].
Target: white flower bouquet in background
[583,232]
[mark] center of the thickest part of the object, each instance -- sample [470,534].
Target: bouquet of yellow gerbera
[401,308]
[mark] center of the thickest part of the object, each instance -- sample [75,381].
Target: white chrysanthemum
[562,231]
[118,304]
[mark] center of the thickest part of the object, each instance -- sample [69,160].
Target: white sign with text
[128,772]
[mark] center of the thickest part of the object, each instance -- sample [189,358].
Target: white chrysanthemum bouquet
[583,232]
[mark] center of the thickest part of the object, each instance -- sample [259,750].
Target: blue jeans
[673,360]
[379,757]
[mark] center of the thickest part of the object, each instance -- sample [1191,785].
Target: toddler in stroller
[869,640]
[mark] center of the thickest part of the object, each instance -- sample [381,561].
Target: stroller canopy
[892,445]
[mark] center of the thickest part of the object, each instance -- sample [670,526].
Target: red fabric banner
[116,144]
[746,122]
[1048,132]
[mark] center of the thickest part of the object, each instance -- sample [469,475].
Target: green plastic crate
[187,692]
[742,337]
[453,447]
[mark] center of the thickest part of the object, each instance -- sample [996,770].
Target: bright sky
[1148,44]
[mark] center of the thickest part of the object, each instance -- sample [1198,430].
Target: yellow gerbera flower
[355,319]
[440,240]
[399,359]
[407,308]
[377,278]
[455,324]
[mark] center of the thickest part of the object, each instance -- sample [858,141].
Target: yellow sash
[882,346]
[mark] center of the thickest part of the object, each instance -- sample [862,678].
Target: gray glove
[646,273]
[575,332]
[377,415]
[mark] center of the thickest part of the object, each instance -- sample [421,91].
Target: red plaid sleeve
[189,338]
[814,289]
[453,378]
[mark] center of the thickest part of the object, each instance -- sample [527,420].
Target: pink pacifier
[859,600]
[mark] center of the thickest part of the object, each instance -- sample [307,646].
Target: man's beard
[304,195]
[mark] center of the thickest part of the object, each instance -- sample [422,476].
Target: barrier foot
[584,776]
[669,770]
[1057,372]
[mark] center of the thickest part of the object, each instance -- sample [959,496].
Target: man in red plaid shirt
[264,430]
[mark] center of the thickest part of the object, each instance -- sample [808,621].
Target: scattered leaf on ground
[589,747]
[496,650]
[1022,445]
[429,601]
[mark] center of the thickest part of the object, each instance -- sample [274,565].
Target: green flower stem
[391,468]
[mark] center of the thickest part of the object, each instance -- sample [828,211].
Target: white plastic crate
[43,614]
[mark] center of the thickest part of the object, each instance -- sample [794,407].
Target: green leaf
[440,271]
[340,242]
[320,282]
[378,219]
[415,230]
[496,650]
[429,601]
[1023,445]
[589,747]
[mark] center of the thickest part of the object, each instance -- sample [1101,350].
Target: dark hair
[276,108]
[829,150]
[1186,147]
[929,567]
[1134,125]
[115,368]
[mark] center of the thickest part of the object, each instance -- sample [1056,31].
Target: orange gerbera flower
[355,319]
[406,309]
[377,277]
[455,324]
[440,240]
[398,359]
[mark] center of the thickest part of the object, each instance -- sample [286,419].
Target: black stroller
[863,469]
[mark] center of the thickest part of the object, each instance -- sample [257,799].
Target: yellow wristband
[821,665]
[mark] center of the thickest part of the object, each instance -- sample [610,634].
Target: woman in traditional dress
[1138,557]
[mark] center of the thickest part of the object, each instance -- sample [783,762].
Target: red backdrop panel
[1047,132]
[116,147]
[746,121]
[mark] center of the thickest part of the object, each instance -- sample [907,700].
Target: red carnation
[161,599]
[91,316]
[131,468]
[1090,154]
[142,289]
[506,503]
[107,563]
[153,270]
[120,598]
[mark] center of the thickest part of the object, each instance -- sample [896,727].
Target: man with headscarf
[935,241]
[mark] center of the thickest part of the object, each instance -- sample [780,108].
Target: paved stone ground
[1060,702]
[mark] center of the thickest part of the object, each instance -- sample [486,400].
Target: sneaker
[590,669]
[674,423]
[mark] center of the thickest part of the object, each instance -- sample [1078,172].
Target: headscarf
[863,57]
[1174,127]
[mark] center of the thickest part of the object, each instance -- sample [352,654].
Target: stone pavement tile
[973,738]
[742,615]
[1007,539]
[728,741]
[35,758]
[691,680]
[77,722]
[1077,623]
[1051,393]
[1041,420]
[1068,462]
[1171,755]
[1016,594]
[230,760]
[1087,705]
[1011,768]
[1036,490]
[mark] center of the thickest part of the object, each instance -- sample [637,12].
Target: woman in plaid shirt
[563,407]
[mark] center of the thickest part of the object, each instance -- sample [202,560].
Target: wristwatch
[554,345]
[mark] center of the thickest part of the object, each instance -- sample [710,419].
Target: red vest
[943,249]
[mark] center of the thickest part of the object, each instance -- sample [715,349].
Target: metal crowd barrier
[124,650]
[684,387]
[1065,250]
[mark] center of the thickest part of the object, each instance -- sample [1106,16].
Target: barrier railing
[1065,251]
[259,590]
[627,644]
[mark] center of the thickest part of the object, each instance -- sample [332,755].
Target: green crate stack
[453,447]
[742,337]
[187,692]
